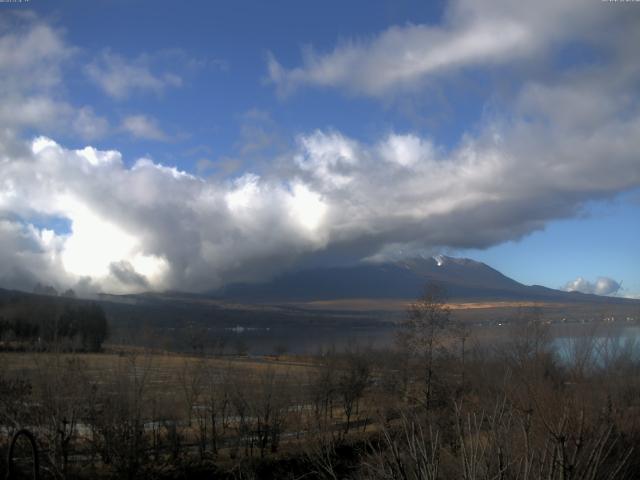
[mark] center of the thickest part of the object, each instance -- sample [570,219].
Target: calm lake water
[568,339]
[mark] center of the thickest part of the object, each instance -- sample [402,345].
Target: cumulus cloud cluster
[145,226]
[134,225]
[153,226]
[602,286]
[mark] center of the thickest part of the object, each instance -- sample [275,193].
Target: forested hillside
[31,321]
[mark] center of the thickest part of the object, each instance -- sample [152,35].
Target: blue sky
[250,137]
[602,241]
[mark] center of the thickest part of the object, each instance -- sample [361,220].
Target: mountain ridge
[463,279]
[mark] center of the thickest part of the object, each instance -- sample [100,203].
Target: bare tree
[424,329]
[191,379]
[461,334]
[322,392]
[351,385]
[61,388]
[119,416]
[321,454]
[269,406]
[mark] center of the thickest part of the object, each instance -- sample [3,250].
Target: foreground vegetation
[441,406]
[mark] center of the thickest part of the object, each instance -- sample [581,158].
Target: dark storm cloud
[126,274]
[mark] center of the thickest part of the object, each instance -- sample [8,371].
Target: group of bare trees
[439,407]
[520,410]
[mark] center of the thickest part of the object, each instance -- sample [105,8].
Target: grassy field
[482,311]
[131,412]
[114,354]
[399,305]
[163,371]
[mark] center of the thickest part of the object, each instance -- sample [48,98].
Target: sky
[163,145]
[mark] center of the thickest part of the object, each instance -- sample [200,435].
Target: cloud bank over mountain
[568,137]
[176,230]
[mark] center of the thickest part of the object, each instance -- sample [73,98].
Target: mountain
[358,296]
[463,279]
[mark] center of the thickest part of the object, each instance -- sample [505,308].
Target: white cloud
[27,255]
[474,33]
[148,226]
[406,150]
[120,77]
[602,286]
[144,127]
[32,57]
[328,157]
[31,53]
[46,113]
[570,137]
[89,125]
[154,226]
